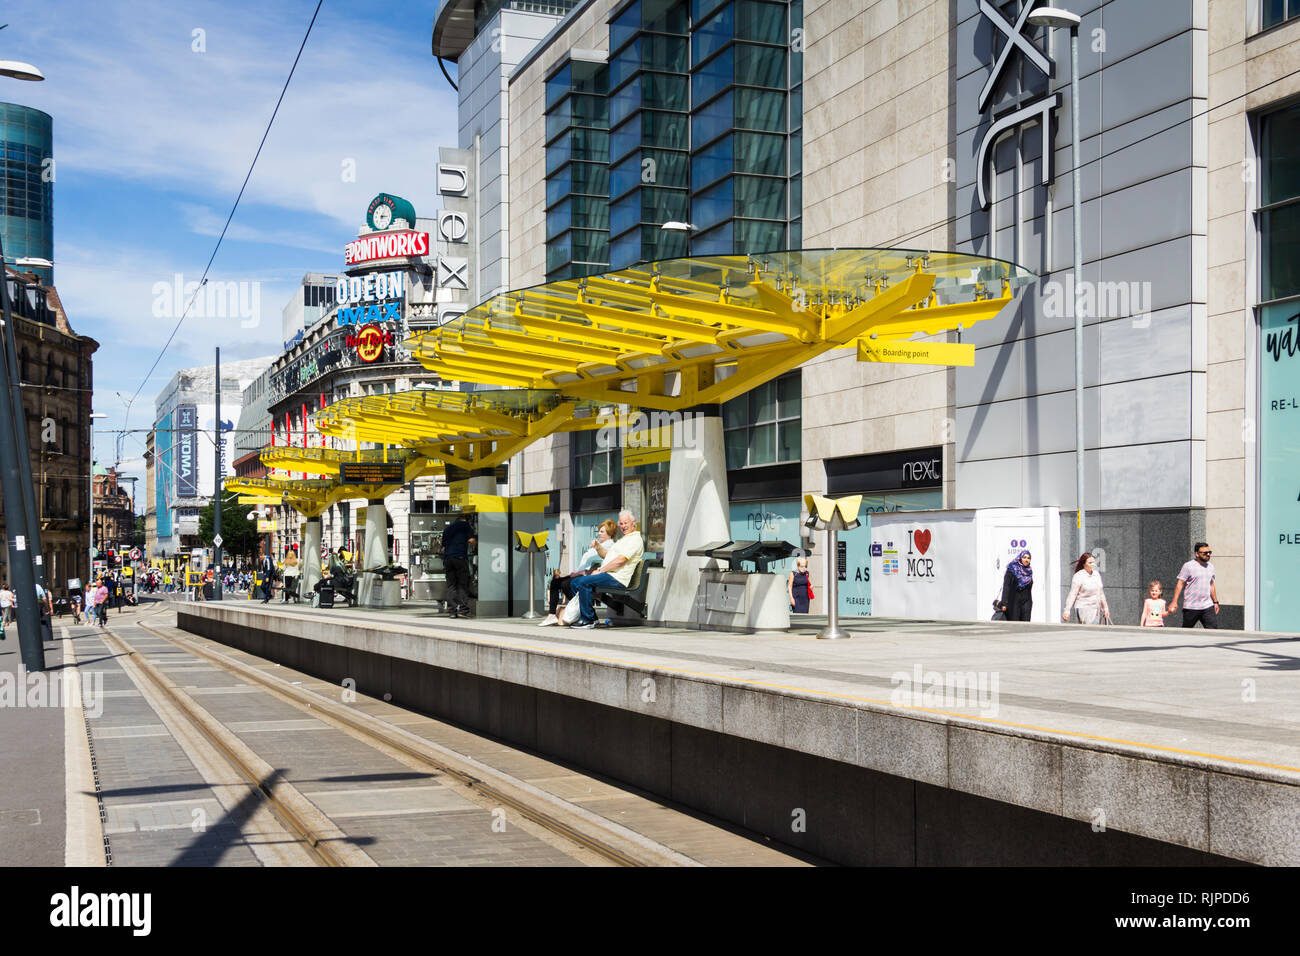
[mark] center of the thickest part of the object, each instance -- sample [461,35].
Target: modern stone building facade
[923,127]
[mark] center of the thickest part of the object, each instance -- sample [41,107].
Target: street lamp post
[1055,18]
[18,496]
[90,568]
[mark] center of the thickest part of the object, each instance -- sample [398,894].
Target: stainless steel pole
[832,590]
[532,613]
[1079,457]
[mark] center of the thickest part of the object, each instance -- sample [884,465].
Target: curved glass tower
[27,185]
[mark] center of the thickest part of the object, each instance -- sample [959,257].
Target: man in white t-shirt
[7,604]
[620,564]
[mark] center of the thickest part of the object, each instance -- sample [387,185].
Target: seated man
[615,572]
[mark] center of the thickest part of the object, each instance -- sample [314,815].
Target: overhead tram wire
[1028,189]
[220,238]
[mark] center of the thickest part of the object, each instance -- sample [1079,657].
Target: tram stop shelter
[675,338]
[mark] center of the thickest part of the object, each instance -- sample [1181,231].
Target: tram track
[301,821]
[590,834]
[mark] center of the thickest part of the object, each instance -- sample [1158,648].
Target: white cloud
[205,221]
[131,100]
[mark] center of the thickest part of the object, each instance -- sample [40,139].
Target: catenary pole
[216,491]
[22,574]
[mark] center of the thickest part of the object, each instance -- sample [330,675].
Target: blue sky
[154,128]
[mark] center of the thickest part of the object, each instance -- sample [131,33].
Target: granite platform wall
[768,762]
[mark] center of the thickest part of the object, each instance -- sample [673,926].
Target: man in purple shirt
[1202,602]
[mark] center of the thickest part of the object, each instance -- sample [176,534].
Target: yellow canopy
[681,332]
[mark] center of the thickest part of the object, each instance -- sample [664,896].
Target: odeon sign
[387,245]
[362,298]
[374,287]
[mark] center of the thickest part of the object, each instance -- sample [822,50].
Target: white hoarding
[948,565]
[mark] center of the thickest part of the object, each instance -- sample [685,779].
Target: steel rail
[315,704]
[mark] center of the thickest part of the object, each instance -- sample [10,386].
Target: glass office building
[28,185]
[701,101]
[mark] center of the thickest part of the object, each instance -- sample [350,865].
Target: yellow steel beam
[938,318]
[650,323]
[540,346]
[477,372]
[803,326]
[587,333]
[489,354]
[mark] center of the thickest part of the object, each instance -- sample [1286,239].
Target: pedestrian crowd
[1087,597]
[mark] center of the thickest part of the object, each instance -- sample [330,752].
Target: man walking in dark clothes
[266,568]
[456,541]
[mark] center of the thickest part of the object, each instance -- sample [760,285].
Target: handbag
[572,611]
[810,590]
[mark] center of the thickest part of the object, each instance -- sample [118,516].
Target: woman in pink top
[101,602]
[1086,589]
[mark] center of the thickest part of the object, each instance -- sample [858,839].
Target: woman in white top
[561,587]
[1086,590]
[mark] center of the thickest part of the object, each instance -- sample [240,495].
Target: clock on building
[386,211]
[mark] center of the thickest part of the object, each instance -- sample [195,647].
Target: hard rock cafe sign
[369,341]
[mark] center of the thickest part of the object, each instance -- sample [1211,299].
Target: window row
[581,179]
[577,109]
[583,212]
[578,246]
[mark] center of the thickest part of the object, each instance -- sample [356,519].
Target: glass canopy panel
[847,276]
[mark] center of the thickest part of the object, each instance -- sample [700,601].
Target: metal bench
[632,597]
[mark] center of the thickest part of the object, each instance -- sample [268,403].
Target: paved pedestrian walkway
[31,757]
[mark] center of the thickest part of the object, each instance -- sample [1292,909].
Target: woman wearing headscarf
[1018,589]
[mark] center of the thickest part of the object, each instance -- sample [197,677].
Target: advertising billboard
[163,482]
[187,451]
[1279,466]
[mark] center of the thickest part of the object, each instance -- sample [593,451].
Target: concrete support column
[375,554]
[310,554]
[376,534]
[699,511]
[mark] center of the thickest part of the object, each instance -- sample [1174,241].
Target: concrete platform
[923,742]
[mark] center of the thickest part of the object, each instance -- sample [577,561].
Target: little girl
[1153,608]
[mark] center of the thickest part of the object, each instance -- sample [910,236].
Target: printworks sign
[1016,49]
[386,245]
